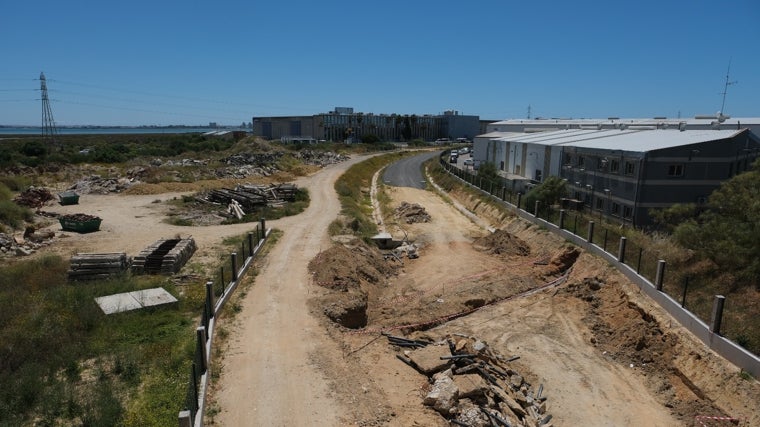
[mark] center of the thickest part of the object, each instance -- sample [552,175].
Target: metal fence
[218,292]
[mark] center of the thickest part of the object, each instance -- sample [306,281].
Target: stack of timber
[90,266]
[165,256]
[251,196]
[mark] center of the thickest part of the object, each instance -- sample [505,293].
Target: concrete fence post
[590,236]
[535,213]
[210,297]
[184,419]
[519,199]
[658,279]
[717,314]
[200,333]
[250,244]
[263,227]
[233,259]
[561,219]
[621,250]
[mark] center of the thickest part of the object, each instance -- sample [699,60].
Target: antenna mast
[49,131]
[528,111]
[725,88]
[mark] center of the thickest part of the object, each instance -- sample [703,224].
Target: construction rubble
[95,184]
[33,197]
[471,385]
[411,213]
[12,246]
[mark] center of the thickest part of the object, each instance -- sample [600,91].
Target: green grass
[353,188]
[64,361]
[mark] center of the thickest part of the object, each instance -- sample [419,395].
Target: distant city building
[344,125]
[623,168]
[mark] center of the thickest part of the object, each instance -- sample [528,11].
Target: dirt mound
[351,272]
[563,260]
[501,242]
[411,213]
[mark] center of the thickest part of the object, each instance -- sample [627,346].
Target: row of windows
[603,164]
[615,209]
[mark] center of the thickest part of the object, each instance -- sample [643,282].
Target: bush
[14,215]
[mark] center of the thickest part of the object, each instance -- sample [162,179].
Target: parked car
[469,162]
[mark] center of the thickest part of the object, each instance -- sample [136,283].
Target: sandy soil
[605,355]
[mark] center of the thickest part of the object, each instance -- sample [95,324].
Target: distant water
[108,130]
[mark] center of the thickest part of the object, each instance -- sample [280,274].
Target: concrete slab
[127,301]
[152,297]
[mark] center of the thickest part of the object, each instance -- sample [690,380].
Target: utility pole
[49,130]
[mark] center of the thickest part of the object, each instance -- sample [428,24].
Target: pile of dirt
[33,197]
[350,272]
[411,213]
[560,262]
[501,242]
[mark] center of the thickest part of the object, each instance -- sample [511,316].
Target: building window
[581,161]
[614,166]
[599,203]
[629,168]
[627,211]
[675,170]
[615,209]
[568,159]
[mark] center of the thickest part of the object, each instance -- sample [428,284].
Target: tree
[728,231]
[548,192]
[487,172]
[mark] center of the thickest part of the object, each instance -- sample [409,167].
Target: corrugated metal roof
[733,121]
[628,139]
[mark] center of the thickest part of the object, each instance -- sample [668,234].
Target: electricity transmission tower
[49,131]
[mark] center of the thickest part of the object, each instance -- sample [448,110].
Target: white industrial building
[622,168]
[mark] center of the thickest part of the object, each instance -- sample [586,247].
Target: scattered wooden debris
[93,266]
[470,384]
[250,197]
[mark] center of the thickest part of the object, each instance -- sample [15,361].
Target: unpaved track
[268,378]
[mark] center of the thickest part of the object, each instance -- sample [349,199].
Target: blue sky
[165,62]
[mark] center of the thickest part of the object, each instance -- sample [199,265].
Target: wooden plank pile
[473,386]
[250,196]
[165,256]
[94,266]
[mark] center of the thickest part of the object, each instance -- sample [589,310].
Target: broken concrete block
[428,359]
[443,396]
[470,385]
